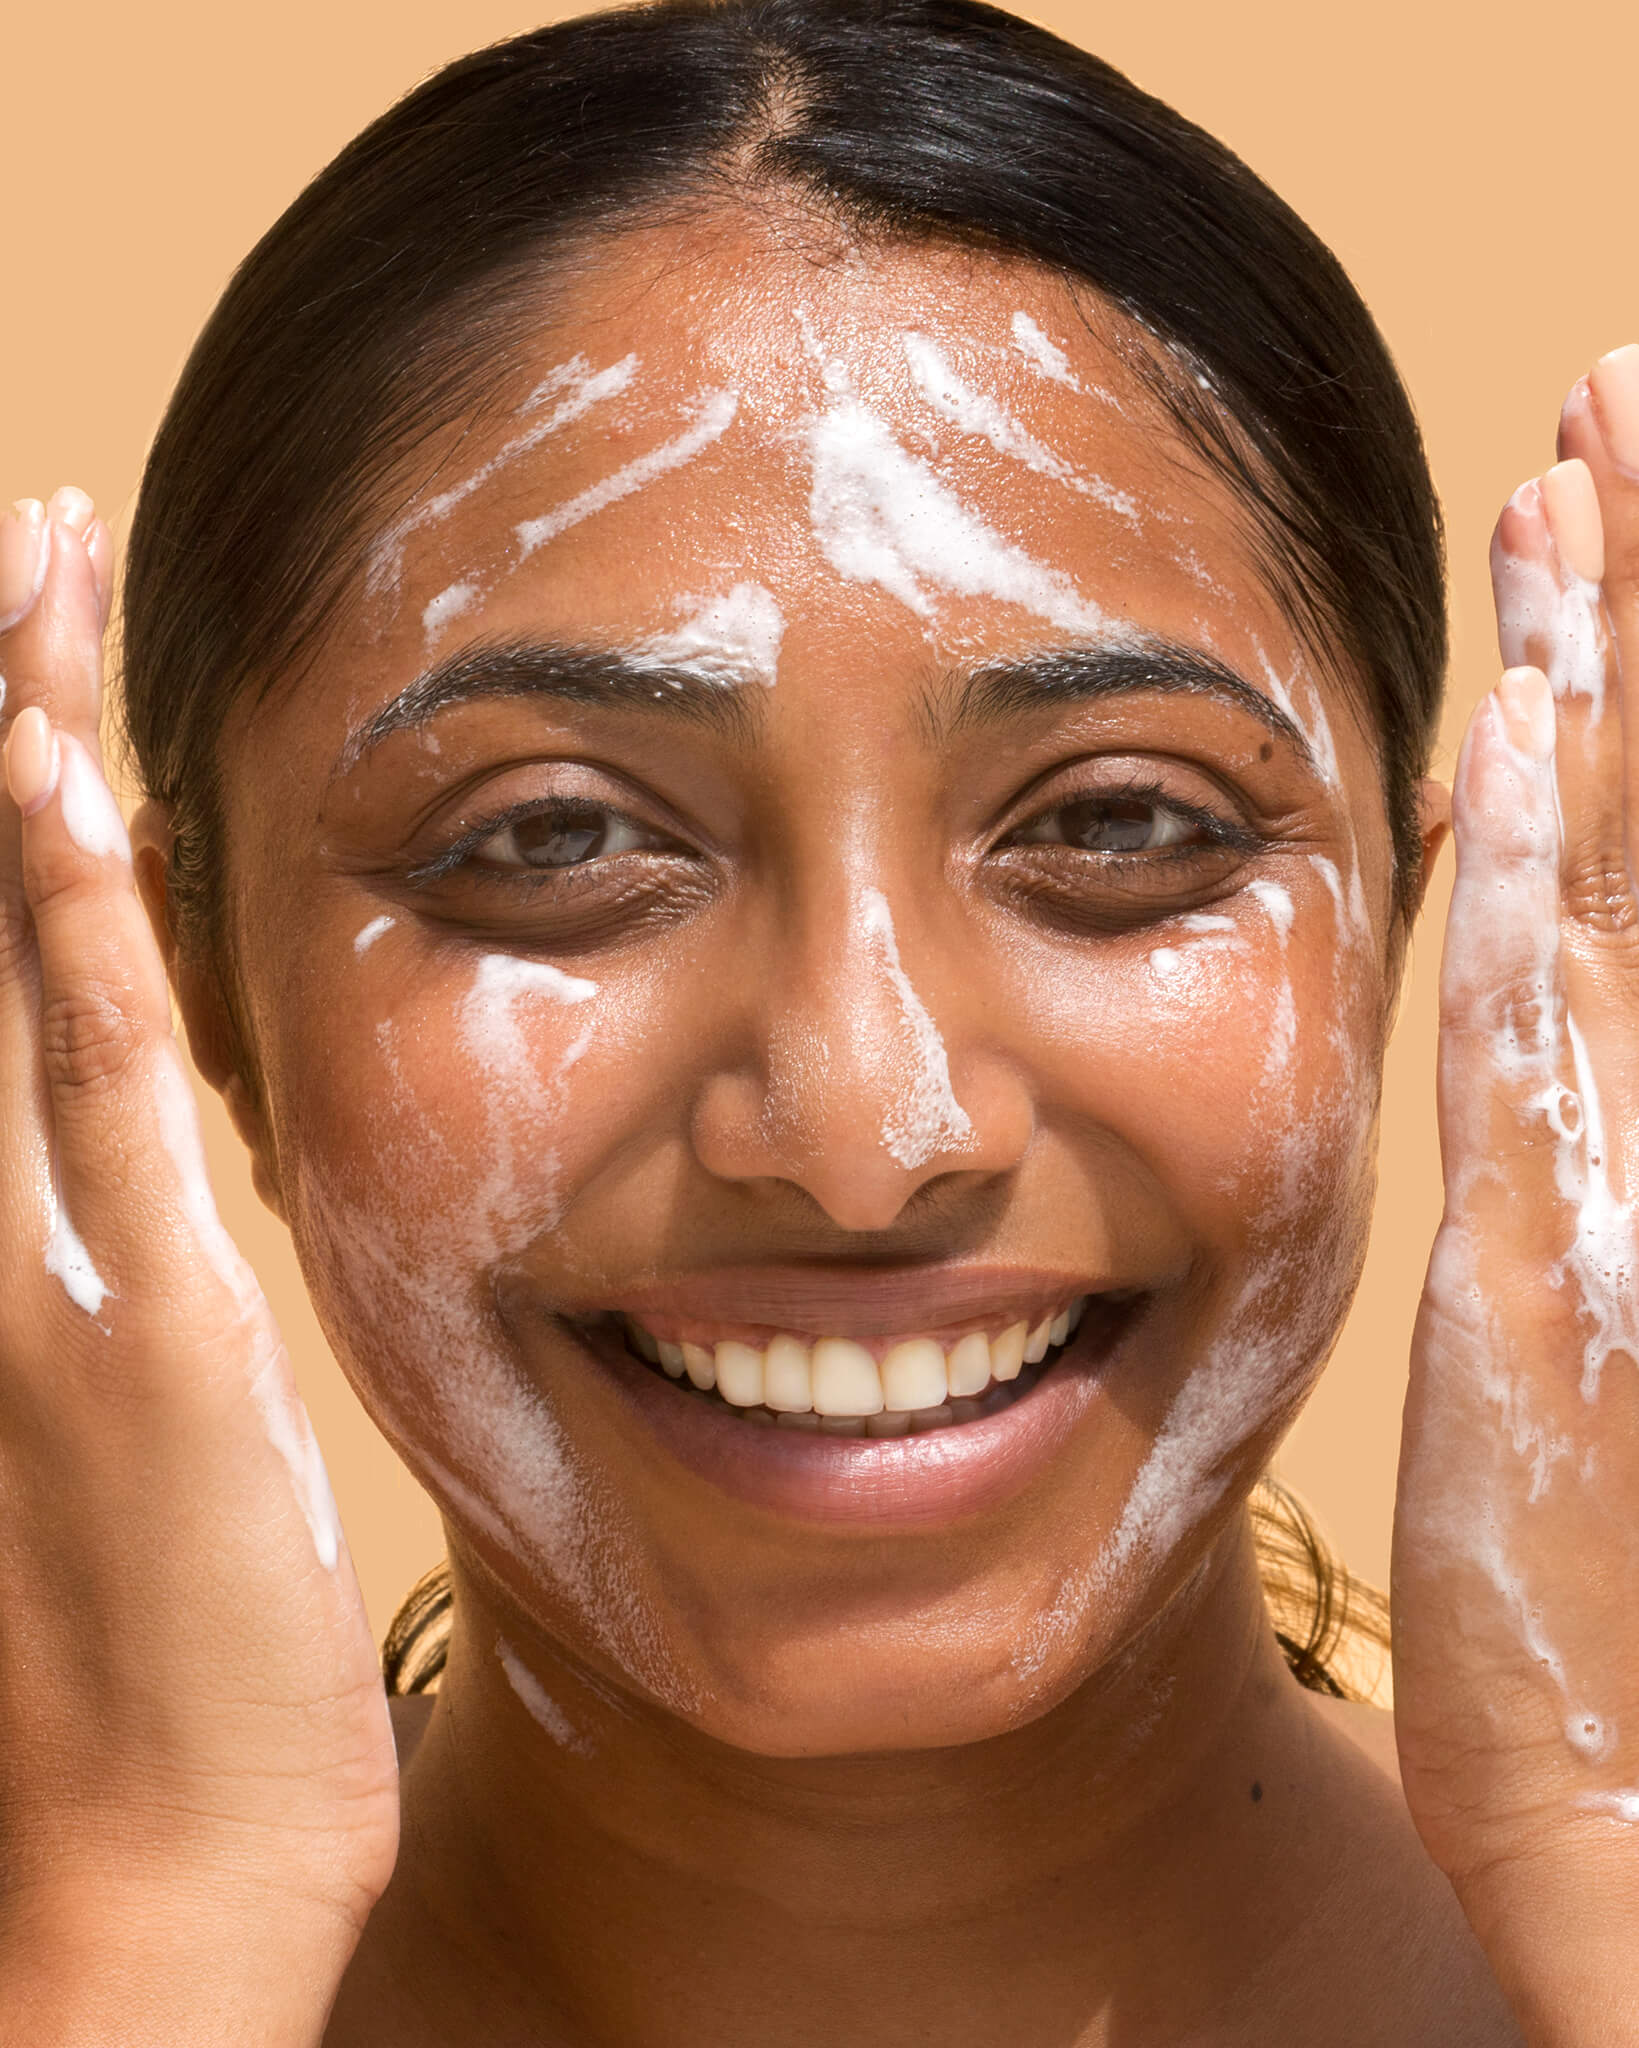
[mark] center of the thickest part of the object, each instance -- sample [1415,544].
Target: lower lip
[901,1482]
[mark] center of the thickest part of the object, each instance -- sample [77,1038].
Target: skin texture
[1031,1770]
[572,1159]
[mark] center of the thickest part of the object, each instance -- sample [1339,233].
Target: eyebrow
[1004,690]
[994,694]
[559,673]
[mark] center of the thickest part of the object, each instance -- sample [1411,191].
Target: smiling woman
[784,654]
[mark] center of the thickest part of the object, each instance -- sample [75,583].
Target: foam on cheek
[1552,620]
[284,1420]
[418,1266]
[1260,1364]
[574,385]
[377,928]
[978,413]
[930,1120]
[733,638]
[882,516]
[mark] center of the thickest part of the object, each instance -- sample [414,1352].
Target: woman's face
[814,838]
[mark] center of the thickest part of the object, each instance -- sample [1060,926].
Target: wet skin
[1179,1118]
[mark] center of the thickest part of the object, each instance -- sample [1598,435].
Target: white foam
[452,602]
[90,815]
[377,928]
[1602,1250]
[713,415]
[1622,1806]
[1312,721]
[1043,354]
[539,1703]
[930,1120]
[979,413]
[584,388]
[68,1260]
[882,516]
[731,638]
[1553,622]
[285,1421]
[288,1429]
[1276,904]
[488,1026]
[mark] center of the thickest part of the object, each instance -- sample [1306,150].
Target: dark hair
[374,311]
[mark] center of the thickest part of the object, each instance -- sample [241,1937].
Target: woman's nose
[867,1074]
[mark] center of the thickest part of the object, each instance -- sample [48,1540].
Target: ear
[213,1036]
[1434,828]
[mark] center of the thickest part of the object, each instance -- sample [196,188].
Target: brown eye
[1113,824]
[563,837]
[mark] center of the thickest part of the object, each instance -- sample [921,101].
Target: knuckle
[1599,898]
[88,1038]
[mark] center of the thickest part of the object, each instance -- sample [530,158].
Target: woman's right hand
[198,1792]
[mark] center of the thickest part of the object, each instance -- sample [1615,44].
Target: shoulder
[1370,1729]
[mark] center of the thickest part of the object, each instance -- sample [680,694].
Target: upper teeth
[837,1376]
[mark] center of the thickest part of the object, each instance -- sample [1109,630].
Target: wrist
[1561,1933]
[169,1966]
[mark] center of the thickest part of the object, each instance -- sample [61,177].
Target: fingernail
[1615,381]
[33,760]
[25,549]
[1526,705]
[99,545]
[1529,495]
[1576,399]
[73,508]
[1572,505]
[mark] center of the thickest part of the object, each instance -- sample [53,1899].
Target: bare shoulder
[1370,1729]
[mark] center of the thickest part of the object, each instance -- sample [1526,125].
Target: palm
[1517,1524]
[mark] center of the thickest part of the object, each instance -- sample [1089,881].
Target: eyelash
[460,856]
[1216,830]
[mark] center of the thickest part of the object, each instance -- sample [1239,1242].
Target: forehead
[941,453]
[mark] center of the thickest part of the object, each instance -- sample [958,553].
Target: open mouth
[842,1386]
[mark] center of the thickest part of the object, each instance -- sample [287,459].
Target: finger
[99,545]
[51,652]
[1500,997]
[104,1021]
[51,659]
[1601,425]
[1547,568]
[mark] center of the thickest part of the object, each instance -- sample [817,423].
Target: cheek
[427,1156]
[1240,1062]
[1237,1056]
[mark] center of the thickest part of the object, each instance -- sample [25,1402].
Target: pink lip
[853,1301]
[878,1483]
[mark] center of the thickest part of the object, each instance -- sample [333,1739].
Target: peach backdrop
[1474,167]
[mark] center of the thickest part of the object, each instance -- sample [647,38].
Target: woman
[784,655]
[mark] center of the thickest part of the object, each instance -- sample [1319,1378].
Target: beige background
[1474,166]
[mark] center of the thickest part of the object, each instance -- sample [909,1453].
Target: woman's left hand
[1516,1550]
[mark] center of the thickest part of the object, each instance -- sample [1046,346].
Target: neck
[599,1871]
